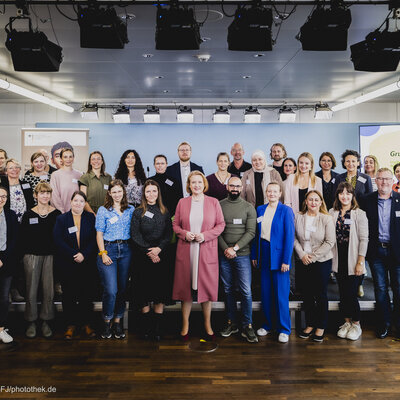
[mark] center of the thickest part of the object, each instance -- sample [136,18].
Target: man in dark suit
[383,212]
[181,169]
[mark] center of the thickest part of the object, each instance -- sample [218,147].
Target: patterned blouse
[113,225]
[343,228]
[34,180]
[17,201]
[134,192]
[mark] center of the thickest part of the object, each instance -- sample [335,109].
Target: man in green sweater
[234,258]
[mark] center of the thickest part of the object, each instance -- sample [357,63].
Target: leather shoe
[381,333]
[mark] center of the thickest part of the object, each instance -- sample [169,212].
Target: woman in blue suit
[272,250]
[75,240]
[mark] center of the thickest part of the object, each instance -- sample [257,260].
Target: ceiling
[285,74]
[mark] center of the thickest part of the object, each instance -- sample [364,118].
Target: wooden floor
[136,369]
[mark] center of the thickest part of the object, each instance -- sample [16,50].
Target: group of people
[177,232]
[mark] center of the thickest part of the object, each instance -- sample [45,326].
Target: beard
[233,195]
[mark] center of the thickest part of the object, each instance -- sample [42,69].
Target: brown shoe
[89,332]
[69,332]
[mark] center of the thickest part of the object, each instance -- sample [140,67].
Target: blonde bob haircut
[14,161]
[194,173]
[322,209]
[42,186]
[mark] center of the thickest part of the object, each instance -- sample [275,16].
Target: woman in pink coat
[198,223]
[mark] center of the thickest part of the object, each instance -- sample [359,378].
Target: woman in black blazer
[327,163]
[75,240]
[8,244]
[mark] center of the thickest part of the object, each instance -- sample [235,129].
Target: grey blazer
[358,239]
[322,240]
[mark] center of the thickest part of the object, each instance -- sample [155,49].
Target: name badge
[33,221]
[237,221]
[312,229]
[26,186]
[113,220]
[361,179]
[333,180]
[348,221]
[43,177]
[248,182]
[73,229]
[397,214]
[148,214]
[105,187]
[74,180]
[241,174]
[169,182]
[260,219]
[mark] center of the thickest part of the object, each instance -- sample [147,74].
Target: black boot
[145,328]
[158,326]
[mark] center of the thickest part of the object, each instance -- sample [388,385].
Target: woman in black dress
[151,232]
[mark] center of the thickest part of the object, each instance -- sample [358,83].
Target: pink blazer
[213,225]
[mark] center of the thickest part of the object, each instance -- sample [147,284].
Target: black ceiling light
[251,29]
[31,50]
[177,28]
[326,28]
[101,28]
[379,52]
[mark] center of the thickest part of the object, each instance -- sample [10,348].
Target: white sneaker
[5,337]
[354,332]
[343,330]
[283,338]
[262,332]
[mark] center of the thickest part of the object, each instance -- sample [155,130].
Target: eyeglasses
[3,197]
[234,186]
[384,179]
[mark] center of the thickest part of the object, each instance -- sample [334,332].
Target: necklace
[217,174]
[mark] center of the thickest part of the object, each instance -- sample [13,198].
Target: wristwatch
[236,247]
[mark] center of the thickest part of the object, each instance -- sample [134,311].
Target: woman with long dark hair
[130,171]
[151,232]
[113,221]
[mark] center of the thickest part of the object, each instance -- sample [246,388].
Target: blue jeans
[237,273]
[114,279]
[384,270]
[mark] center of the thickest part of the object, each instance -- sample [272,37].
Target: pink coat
[213,226]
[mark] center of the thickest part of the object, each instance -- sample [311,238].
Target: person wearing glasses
[383,255]
[234,261]
[181,169]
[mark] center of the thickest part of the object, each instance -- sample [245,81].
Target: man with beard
[238,166]
[234,258]
[168,185]
[278,155]
[181,169]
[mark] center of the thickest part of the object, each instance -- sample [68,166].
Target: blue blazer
[9,256]
[282,236]
[370,205]
[67,244]
[361,189]
[174,171]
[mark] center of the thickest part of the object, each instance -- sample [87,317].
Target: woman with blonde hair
[303,180]
[314,239]
[371,167]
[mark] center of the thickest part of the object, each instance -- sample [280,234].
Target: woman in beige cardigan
[297,185]
[256,179]
[349,256]
[315,237]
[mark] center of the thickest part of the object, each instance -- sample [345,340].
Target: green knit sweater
[240,219]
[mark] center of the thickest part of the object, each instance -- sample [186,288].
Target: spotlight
[251,29]
[152,115]
[378,52]
[101,28]
[122,115]
[322,111]
[221,115]
[252,116]
[89,112]
[177,29]
[184,115]
[286,114]
[31,50]
[326,29]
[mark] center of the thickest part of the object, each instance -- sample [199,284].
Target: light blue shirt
[113,225]
[384,210]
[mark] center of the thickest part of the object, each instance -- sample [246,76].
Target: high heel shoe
[184,338]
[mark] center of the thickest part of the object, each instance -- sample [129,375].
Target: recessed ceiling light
[259,55]
[159,77]
[165,91]
[238,91]
[147,55]
[246,76]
